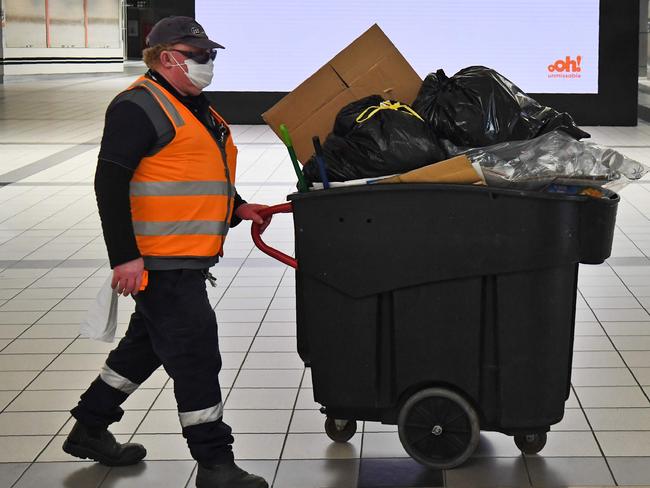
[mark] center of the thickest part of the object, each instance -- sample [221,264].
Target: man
[166,197]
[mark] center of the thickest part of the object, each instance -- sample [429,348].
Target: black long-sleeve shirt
[129,135]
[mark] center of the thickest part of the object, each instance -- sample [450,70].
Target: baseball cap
[180,29]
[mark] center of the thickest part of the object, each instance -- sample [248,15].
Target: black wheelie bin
[444,309]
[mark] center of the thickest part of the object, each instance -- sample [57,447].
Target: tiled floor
[52,262]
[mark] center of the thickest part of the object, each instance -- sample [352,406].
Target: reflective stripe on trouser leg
[204,416]
[117,381]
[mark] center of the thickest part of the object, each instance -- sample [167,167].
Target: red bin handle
[262,246]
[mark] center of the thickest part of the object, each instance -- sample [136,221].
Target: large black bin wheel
[531,443]
[438,428]
[340,430]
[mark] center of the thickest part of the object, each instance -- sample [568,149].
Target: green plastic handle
[286,138]
[302,183]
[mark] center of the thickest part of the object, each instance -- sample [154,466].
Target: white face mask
[199,74]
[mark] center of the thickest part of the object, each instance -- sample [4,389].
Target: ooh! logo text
[566,68]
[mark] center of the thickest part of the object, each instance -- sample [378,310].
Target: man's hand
[249,211]
[127,277]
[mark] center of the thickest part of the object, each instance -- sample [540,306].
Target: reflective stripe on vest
[191,227]
[182,195]
[180,188]
[162,99]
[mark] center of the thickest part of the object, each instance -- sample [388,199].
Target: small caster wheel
[340,430]
[438,428]
[531,443]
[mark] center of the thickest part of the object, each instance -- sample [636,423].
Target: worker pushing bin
[444,309]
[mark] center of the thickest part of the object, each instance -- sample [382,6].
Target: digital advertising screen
[548,46]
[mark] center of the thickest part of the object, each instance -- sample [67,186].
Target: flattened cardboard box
[371,65]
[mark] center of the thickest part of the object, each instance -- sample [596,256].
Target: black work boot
[227,476]
[100,445]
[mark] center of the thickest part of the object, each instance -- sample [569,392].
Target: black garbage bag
[375,137]
[479,107]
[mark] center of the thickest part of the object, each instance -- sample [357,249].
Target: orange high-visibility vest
[182,196]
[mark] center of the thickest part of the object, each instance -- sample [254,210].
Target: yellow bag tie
[386,105]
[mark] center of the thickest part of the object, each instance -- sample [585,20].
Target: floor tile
[165,401]
[277,329]
[613,302]
[615,329]
[325,473]
[262,421]
[375,473]
[258,446]
[629,444]
[642,375]
[37,346]
[562,472]
[261,399]
[78,362]
[16,380]
[232,360]
[570,444]
[17,449]
[44,401]
[29,305]
[235,344]
[632,343]
[611,396]
[160,422]
[273,360]
[319,446]
[619,419]
[483,472]
[20,362]
[597,359]
[382,445]
[238,330]
[88,346]
[68,475]
[604,291]
[496,444]
[32,423]
[52,331]
[226,378]
[140,399]
[63,380]
[150,474]
[630,470]
[602,377]
[10,472]
[274,344]
[307,421]
[588,329]
[592,343]
[241,315]
[6,397]
[11,331]
[269,378]
[639,359]
[19,317]
[621,314]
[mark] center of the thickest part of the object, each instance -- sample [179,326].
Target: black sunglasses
[200,57]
